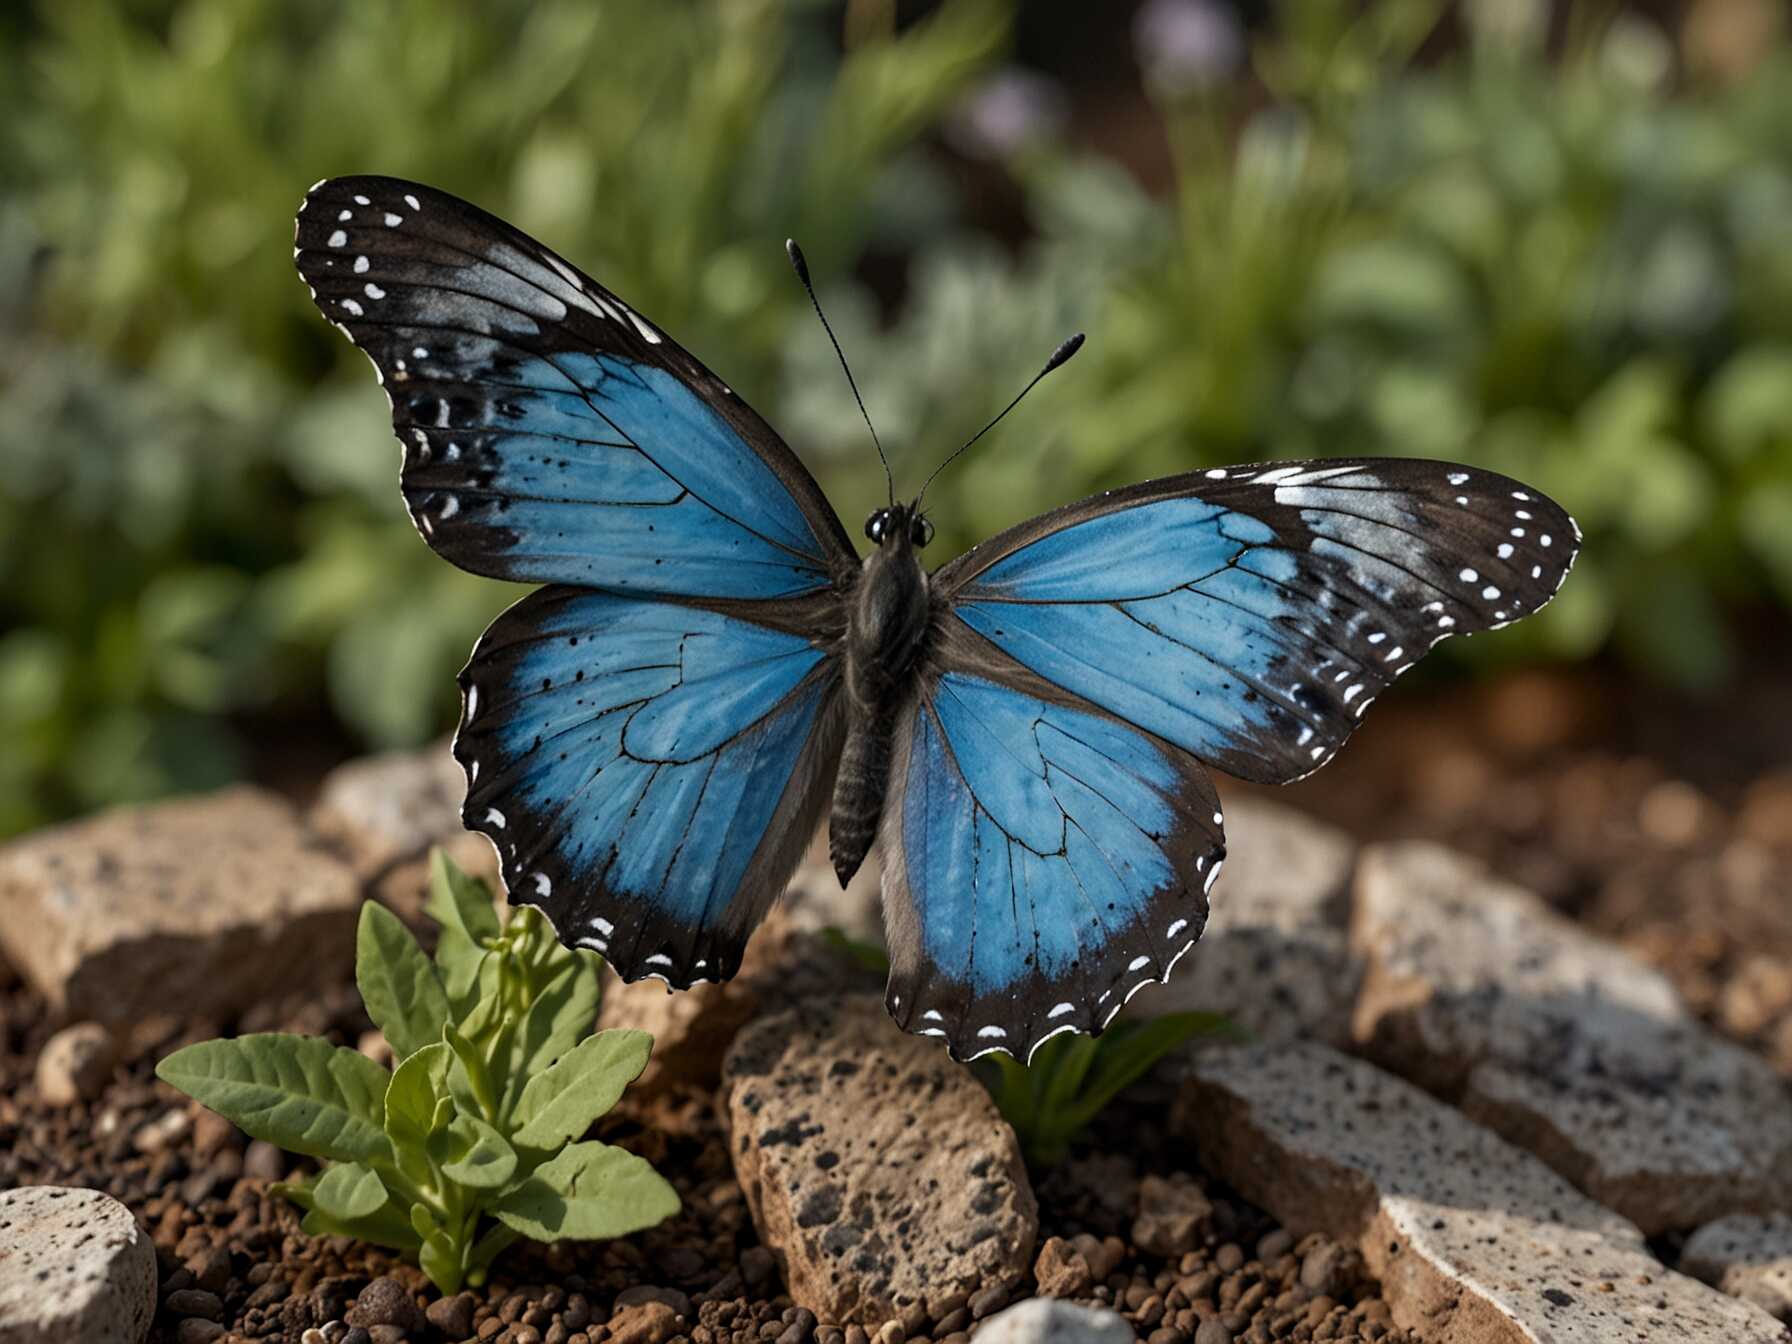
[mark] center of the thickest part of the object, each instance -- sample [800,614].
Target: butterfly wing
[1042,859]
[648,771]
[1250,615]
[1052,833]
[552,434]
[650,739]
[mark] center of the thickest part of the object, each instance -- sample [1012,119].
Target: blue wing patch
[1250,615]
[648,772]
[551,434]
[1042,862]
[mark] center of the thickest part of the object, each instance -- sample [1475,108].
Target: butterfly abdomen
[889,615]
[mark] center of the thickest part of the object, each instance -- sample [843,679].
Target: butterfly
[709,667]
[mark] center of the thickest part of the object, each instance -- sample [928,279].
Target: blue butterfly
[651,738]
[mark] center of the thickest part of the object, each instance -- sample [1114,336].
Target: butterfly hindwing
[1042,859]
[648,772]
[1250,615]
[550,432]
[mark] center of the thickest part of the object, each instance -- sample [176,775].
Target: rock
[386,1301]
[631,1297]
[225,898]
[1173,1212]
[452,1316]
[385,812]
[196,1331]
[1275,957]
[1061,1270]
[1043,1321]
[1563,1043]
[787,961]
[651,1322]
[195,1302]
[75,1064]
[264,1161]
[74,1265]
[875,1166]
[1747,1257]
[1471,1238]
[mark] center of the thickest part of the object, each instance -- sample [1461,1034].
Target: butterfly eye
[920,532]
[874,526]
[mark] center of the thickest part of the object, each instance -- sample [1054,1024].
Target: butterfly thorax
[888,617]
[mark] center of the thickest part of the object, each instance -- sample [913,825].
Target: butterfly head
[900,526]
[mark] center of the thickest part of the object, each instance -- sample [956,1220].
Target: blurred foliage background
[1545,238]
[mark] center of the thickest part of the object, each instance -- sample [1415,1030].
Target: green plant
[1071,1078]
[497,1076]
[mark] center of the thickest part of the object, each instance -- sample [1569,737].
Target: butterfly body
[890,614]
[709,669]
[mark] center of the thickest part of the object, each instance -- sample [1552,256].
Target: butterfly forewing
[1251,614]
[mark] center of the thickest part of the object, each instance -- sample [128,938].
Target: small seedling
[1051,1100]
[1072,1078]
[497,1076]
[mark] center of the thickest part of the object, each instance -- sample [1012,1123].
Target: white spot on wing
[1138,963]
[350,306]
[374,291]
[494,817]
[339,238]
[393,221]
[415,204]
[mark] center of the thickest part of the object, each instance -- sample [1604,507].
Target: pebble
[1746,1256]
[1173,1212]
[1042,1320]
[453,1316]
[386,1301]
[195,1331]
[75,1064]
[195,1302]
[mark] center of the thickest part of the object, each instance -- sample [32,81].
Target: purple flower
[1009,111]
[1186,45]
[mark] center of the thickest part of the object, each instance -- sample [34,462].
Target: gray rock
[1746,1257]
[74,1265]
[75,1064]
[875,1167]
[1042,1320]
[1472,1239]
[215,903]
[385,812]
[1562,1042]
[1275,957]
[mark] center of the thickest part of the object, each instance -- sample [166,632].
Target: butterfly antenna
[802,273]
[1059,356]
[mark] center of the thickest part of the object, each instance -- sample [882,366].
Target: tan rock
[1275,957]
[75,1063]
[876,1168]
[1563,1043]
[1173,1213]
[384,813]
[1043,1321]
[211,903]
[74,1265]
[1474,1241]
[1747,1257]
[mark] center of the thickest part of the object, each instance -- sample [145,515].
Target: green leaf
[1130,1055]
[560,1103]
[487,1249]
[867,956]
[589,1191]
[463,907]
[458,901]
[348,1191]
[474,1154]
[403,994]
[300,1092]
[419,1085]
[439,1260]
[386,1227]
[472,1080]
[562,1015]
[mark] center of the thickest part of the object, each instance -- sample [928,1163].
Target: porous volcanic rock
[210,903]
[1746,1256]
[74,1265]
[1474,1241]
[1275,957]
[876,1168]
[1562,1042]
